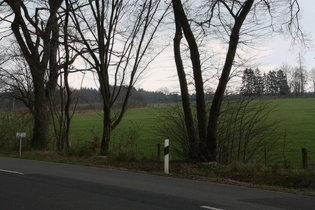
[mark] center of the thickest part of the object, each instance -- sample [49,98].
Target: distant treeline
[91,95]
[138,98]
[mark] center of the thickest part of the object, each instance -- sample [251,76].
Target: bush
[88,149]
[245,131]
[125,148]
[171,125]
[288,178]
[261,175]
[10,124]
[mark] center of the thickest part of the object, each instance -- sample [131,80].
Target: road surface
[29,184]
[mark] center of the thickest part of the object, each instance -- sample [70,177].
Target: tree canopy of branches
[234,23]
[117,36]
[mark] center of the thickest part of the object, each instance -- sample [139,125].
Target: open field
[138,128]
[297,123]
[142,121]
[297,128]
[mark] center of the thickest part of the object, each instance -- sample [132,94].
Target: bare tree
[37,27]
[61,110]
[189,121]
[236,23]
[312,77]
[300,76]
[288,70]
[17,80]
[297,77]
[65,143]
[37,33]
[117,35]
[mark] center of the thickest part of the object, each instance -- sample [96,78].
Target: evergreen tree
[259,83]
[282,83]
[271,83]
[248,82]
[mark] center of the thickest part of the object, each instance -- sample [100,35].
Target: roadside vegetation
[255,175]
[136,139]
[257,140]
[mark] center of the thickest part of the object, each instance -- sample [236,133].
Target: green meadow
[296,126]
[139,122]
[139,130]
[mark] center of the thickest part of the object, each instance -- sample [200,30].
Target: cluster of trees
[285,81]
[44,41]
[272,83]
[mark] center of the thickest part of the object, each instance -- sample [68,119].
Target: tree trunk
[41,129]
[107,129]
[195,60]
[67,143]
[106,138]
[41,116]
[189,122]
[224,78]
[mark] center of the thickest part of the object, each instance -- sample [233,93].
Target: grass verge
[249,175]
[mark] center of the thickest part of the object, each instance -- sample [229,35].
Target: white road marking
[11,172]
[209,207]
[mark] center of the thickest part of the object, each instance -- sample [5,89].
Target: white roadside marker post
[166,156]
[20,135]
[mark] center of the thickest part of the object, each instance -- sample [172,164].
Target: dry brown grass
[249,175]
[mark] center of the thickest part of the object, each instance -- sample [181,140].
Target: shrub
[171,125]
[261,175]
[125,148]
[88,149]
[245,132]
[10,124]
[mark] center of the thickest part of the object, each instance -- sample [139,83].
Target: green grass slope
[297,129]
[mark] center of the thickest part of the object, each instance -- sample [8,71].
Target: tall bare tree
[300,79]
[312,77]
[35,27]
[61,112]
[189,122]
[235,22]
[117,35]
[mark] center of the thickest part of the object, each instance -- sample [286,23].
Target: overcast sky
[278,51]
[162,74]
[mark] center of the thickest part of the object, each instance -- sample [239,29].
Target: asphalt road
[28,184]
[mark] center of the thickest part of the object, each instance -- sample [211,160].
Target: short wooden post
[265,154]
[158,151]
[304,158]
